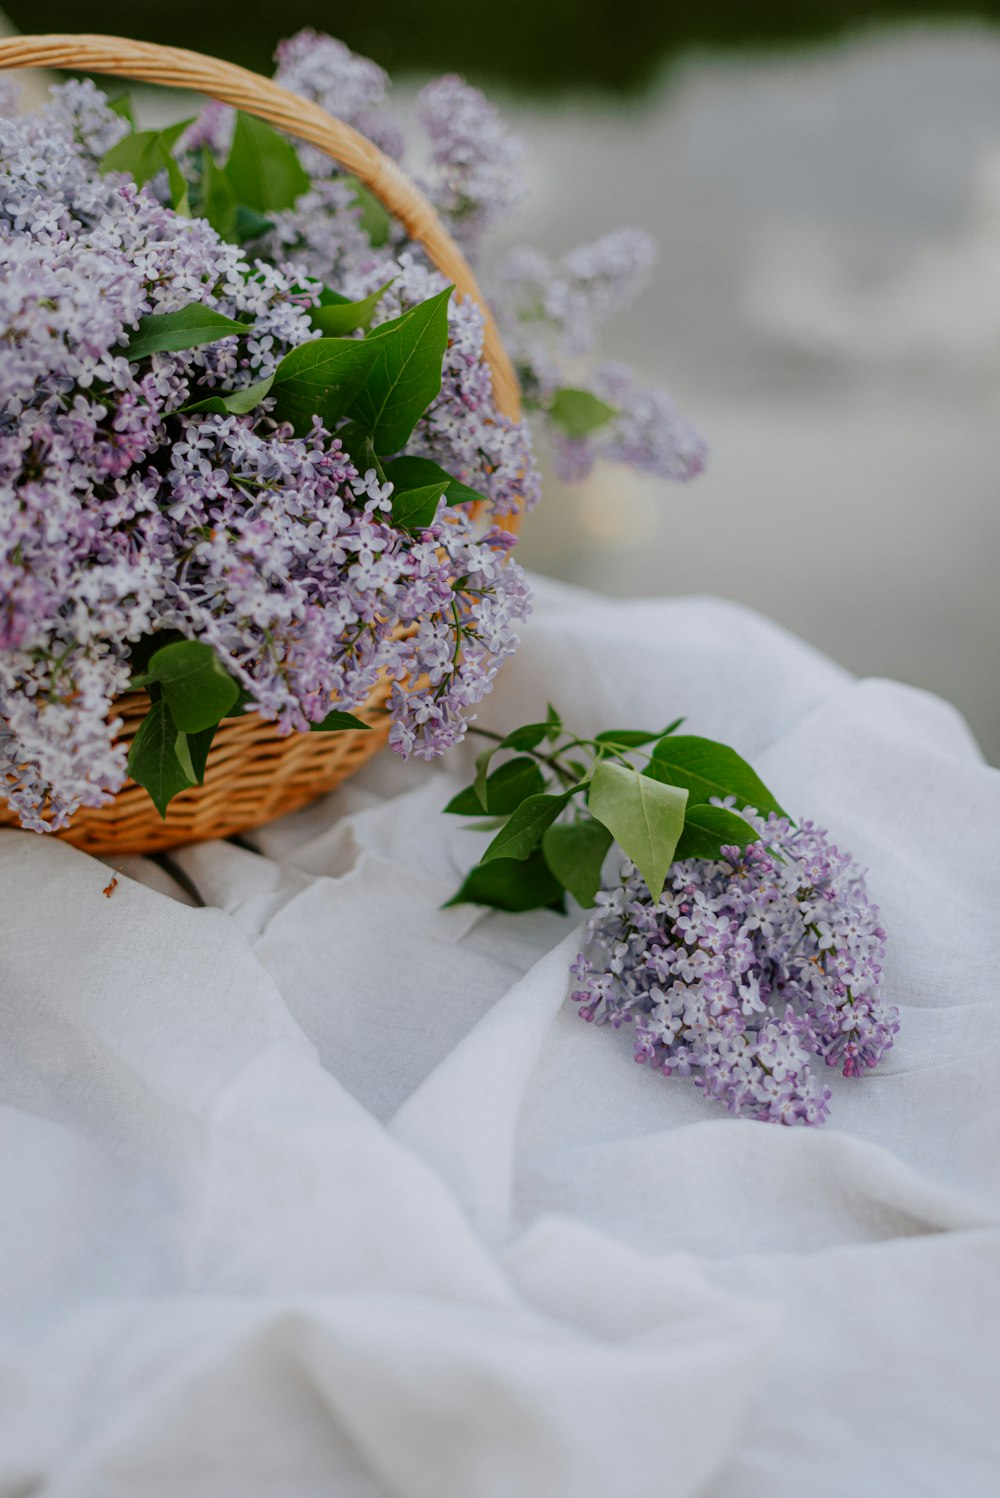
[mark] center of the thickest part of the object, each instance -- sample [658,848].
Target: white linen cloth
[321,1189]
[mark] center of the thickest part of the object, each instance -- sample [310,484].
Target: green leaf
[139,154]
[263,167]
[524,829]
[145,153]
[482,766]
[218,197]
[578,412]
[511,784]
[405,374]
[707,769]
[321,379]
[122,106]
[528,737]
[337,722]
[414,509]
[410,472]
[575,852]
[358,445]
[179,198]
[513,884]
[250,224]
[172,134]
[189,327]
[198,746]
[465,803]
[236,403]
[141,650]
[627,738]
[645,818]
[553,723]
[195,687]
[374,219]
[183,752]
[336,315]
[153,761]
[506,788]
[709,828]
[237,709]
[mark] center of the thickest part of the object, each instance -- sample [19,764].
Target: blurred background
[824,179]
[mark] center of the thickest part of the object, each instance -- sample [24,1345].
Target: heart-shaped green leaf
[237,402]
[414,509]
[405,375]
[374,219]
[706,769]
[198,745]
[709,828]
[513,884]
[336,315]
[337,722]
[412,472]
[575,852]
[524,829]
[578,412]
[644,817]
[144,153]
[250,224]
[219,203]
[627,738]
[195,687]
[188,327]
[506,788]
[321,378]
[153,761]
[527,737]
[482,771]
[263,167]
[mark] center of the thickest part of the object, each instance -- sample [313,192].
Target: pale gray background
[827,309]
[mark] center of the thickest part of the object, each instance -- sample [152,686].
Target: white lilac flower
[746,972]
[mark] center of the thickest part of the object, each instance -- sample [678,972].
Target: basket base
[253,776]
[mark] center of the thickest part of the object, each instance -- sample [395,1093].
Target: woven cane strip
[253,774]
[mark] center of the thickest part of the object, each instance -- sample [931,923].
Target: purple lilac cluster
[324,232]
[646,433]
[745,971]
[550,312]
[119,517]
[477,161]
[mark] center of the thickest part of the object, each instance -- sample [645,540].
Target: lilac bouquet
[250,458]
[739,947]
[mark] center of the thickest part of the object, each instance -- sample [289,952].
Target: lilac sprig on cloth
[746,972]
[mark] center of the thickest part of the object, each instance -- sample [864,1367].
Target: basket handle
[178,68]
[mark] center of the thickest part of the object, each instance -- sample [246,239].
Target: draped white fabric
[318,1188]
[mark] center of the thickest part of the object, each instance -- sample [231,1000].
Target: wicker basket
[253,773]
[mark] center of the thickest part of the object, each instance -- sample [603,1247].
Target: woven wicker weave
[253,774]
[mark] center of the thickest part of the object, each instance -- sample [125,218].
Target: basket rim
[179,67]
